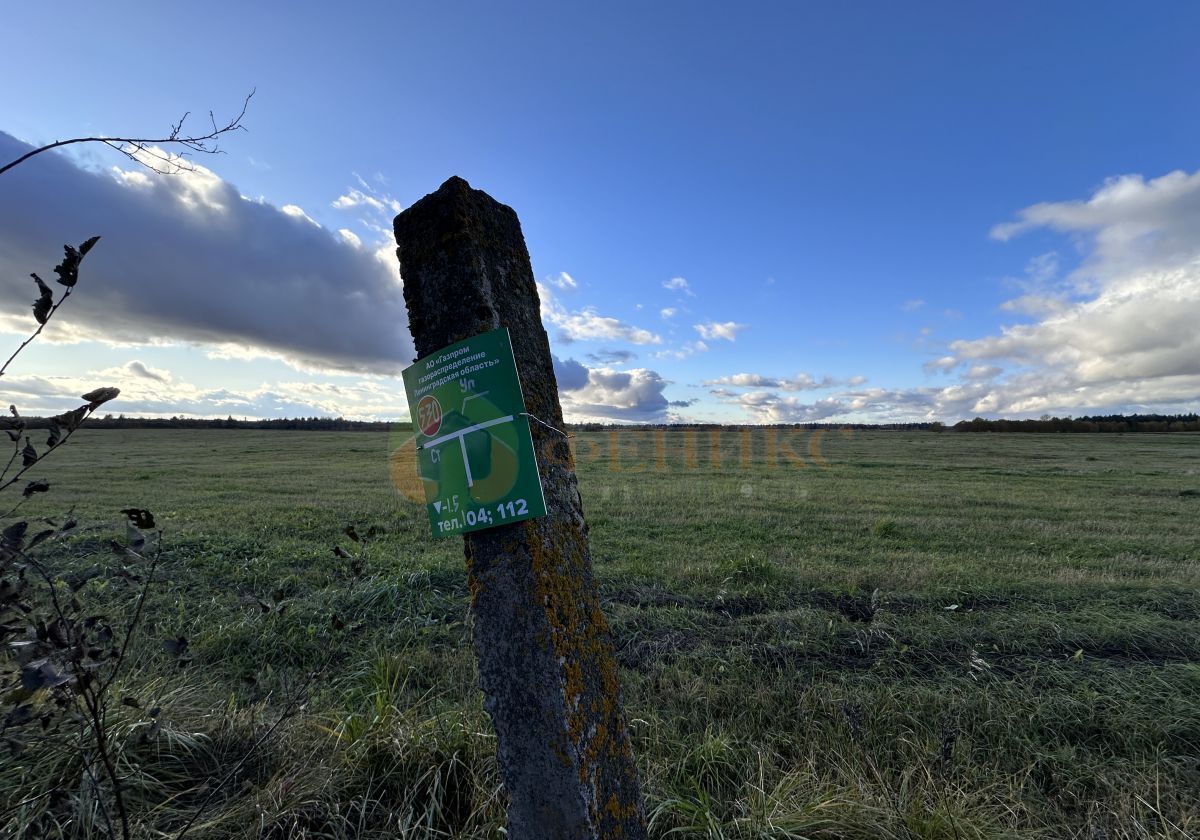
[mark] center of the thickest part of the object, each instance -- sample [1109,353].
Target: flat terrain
[867,634]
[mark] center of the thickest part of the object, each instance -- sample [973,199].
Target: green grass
[863,635]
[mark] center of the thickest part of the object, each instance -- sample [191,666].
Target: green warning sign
[474,451]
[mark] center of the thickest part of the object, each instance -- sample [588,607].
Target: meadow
[821,635]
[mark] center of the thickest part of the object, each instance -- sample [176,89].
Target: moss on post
[545,654]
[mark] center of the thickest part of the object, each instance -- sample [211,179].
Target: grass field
[861,635]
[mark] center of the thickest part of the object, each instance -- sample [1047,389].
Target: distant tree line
[602,427]
[311,424]
[340,424]
[1106,423]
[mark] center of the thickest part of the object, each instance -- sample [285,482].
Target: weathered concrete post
[545,654]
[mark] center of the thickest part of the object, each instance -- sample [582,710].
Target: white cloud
[678,284]
[350,236]
[358,198]
[587,324]
[684,351]
[983,372]
[668,313]
[799,382]
[1042,269]
[297,212]
[912,305]
[769,407]
[563,281]
[612,357]
[186,258]
[714,330]
[142,370]
[945,364]
[1036,305]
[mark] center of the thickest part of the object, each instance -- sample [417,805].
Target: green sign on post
[474,451]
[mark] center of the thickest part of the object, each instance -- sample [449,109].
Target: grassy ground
[896,635]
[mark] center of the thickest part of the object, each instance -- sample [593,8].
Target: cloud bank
[187,258]
[147,391]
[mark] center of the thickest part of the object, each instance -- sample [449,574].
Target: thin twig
[100,735]
[38,331]
[50,584]
[16,452]
[137,615]
[15,508]
[87,766]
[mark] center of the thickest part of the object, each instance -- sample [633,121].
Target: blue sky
[881,211]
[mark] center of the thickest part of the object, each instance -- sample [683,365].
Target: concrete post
[545,654]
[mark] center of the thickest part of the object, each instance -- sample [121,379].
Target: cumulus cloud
[571,375]
[587,324]
[186,258]
[629,396]
[1137,327]
[563,281]
[1116,334]
[1125,337]
[714,330]
[667,312]
[604,394]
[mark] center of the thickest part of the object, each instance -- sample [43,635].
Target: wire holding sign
[490,477]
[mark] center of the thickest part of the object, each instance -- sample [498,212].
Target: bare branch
[206,143]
